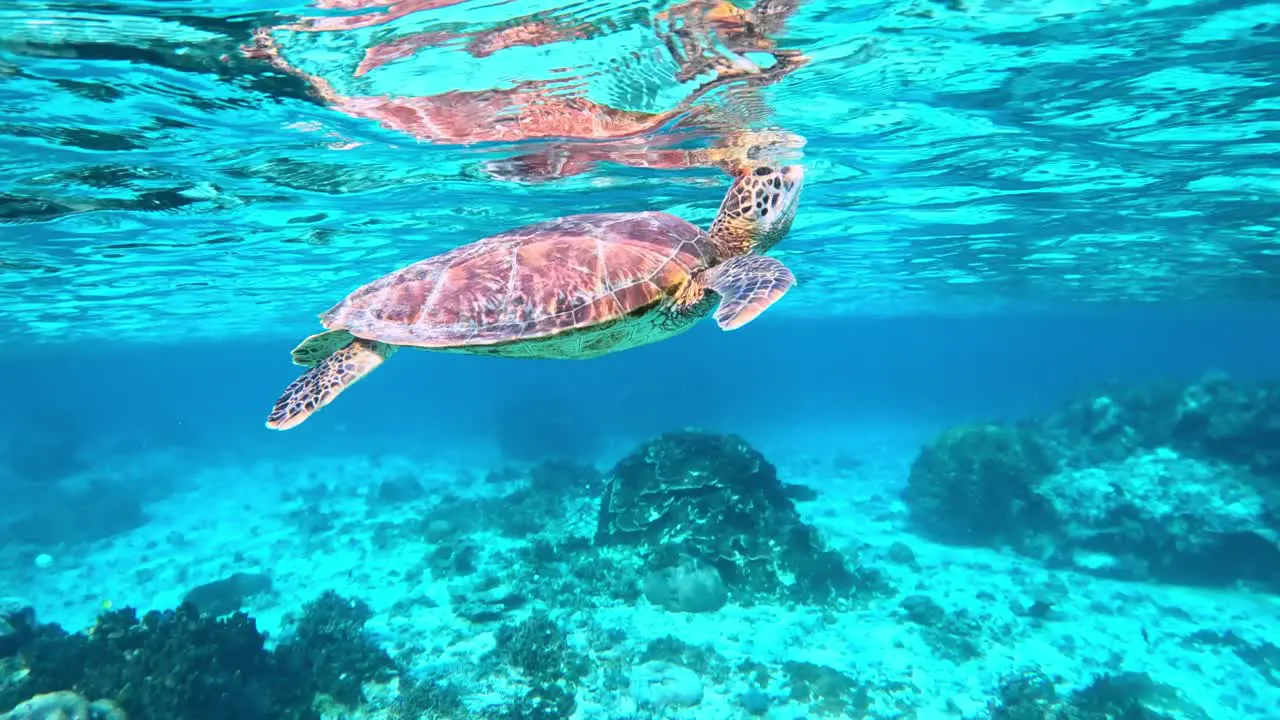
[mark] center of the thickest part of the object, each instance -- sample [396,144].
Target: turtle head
[759,208]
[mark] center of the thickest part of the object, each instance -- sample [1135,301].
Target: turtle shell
[533,282]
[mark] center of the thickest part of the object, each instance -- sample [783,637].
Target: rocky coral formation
[717,499]
[1163,515]
[1178,484]
[1214,418]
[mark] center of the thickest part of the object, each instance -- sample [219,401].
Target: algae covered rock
[228,594]
[975,484]
[187,665]
[64,705]
[1159,481]
[1235,422]
[660,685]
[1215,417]
[1164,516]
[717,499]
[690,586]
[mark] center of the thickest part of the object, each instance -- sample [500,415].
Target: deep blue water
[763,381]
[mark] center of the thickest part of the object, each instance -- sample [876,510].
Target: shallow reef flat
[693,578]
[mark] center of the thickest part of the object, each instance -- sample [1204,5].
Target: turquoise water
[1008,450]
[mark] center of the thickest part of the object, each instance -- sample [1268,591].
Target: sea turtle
[572,288]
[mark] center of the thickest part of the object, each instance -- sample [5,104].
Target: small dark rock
[799,493]
[400,489]
[225,596]
[690,586]
[902,554]
[922,610]
[754,701]
[1041,609]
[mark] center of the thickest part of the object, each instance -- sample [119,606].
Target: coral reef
[715,498]
[1030,695]
[1164,516]
[166,665]
[17,620]
[542,702]
[1264,657]
[184,665]
[538,649]
[1214,418]
[429,699]
[331,648]
[953,636]
[1164,482]
[399,489]
[826,690]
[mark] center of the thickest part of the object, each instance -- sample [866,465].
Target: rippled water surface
[208,168]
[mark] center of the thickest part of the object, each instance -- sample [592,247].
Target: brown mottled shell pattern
[541,280]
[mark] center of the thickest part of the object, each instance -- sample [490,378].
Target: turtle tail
[318,386]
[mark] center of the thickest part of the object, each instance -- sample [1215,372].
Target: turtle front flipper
[747,284]
[318,386]
[311,351]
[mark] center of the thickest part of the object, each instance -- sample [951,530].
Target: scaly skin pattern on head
[756,213]
[758,209]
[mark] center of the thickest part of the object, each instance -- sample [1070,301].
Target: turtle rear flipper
[318,386]
[747,284]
